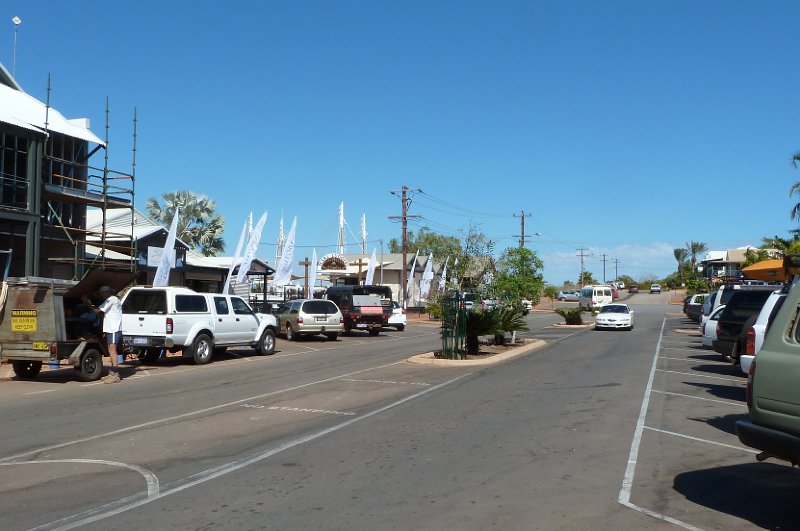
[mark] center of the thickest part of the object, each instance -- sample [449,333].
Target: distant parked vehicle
[633,288]
[595,297]
[568,295]
[709,327]
[693,308]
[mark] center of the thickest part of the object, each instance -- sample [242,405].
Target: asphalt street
[598,430]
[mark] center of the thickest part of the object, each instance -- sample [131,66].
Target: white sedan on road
[615,315]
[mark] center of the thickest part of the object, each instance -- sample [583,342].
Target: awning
[768,270]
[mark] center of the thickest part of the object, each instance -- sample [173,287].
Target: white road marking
[749,450]
[309,410]
[189,414]
[627,482]
[41,392]
[126,504]
[726,402]
[149,477]
[383,382]
[704,376]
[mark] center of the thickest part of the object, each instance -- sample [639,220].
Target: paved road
[347,435]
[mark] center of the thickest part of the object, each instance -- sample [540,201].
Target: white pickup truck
[198,324]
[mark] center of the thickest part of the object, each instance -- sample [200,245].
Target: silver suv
[309,317]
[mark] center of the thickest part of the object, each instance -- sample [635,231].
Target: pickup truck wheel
[374,331]
[400,328]
[266,345]
[91,365]
[202,348]
[290,335]
[26,369]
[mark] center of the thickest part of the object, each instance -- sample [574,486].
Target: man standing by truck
[111,308]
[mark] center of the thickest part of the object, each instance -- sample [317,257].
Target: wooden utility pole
[405,202]
[360,263]
[306,263]
[582,255]
[522,227]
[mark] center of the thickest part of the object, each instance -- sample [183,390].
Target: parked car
[754,333]
[709,327]
[489,304]
[527,306]
[568,295]
[633,288]
[773,396]
[309,317]
[398,318]
[595,296]
[741,306]
[469,300]
[694,307]
[614,315]
[655,288]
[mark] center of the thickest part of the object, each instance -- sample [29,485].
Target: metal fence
[454,328]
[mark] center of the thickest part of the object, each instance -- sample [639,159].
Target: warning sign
[23,320]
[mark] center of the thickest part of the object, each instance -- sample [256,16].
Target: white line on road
[726,402]
[627,482]
[189,414]
[41,392]
[127,504]
[704,376]
[701,440]
[383,382]
[149,477]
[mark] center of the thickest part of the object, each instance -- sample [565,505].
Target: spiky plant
[572,316]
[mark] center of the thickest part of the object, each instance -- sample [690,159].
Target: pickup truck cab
[197,324]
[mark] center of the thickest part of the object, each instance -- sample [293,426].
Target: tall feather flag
[453,278]
[162,272]
[427,277]
[410,279]
[443,279]
[252,247]
[237,255]
[371,269]
[312,274]
[283,275]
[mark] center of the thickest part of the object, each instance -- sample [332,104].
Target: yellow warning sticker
[23,320]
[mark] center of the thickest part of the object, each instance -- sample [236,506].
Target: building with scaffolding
[47,187]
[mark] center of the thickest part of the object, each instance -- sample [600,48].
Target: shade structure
[769,270]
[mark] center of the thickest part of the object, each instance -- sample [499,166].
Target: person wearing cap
[111,308]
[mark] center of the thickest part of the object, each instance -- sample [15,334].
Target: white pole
[17,21]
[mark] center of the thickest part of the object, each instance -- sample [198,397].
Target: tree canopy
[518,275]
[199,226]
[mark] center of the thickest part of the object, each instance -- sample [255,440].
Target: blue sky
[624,127]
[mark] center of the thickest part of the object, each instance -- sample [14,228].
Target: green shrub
[572,316]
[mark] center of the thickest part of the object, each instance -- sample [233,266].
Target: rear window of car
[744,304]
[145,301]
[319,306]
[190,303]
[366,300]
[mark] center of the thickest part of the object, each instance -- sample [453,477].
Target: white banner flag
[427,277]
[252,247]
[410,279]
[162,273]
[283,274]
[453,279]
[443,279]
[312,274]
[236,256]
[371,269]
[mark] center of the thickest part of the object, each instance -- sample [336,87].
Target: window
[240,307]
[13,171]
[221,304]
[319,306]
[190,303]
[145,301]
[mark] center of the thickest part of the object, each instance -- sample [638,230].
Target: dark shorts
[113,338]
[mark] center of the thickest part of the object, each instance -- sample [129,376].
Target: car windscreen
[319,306]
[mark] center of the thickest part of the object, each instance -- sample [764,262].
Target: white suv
[754,337]
[655,288]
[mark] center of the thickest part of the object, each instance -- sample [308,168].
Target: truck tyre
[332,336]
[290,334]
[26,369]
[374,331]
[91,365]
[202,348]
[266,344]
[400,328]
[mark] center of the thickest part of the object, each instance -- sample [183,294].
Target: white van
[595,296]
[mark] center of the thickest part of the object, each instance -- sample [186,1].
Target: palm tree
[199,225]
[795,213]
[680,256]
[696,248]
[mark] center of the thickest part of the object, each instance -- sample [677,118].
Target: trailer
[42,320]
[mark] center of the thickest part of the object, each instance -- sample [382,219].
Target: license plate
[362,325]
[40,345]
[140,341]
[321,319]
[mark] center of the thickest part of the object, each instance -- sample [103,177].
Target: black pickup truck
[363,307]
[744,304]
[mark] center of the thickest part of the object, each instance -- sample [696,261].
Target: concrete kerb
[428,358]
